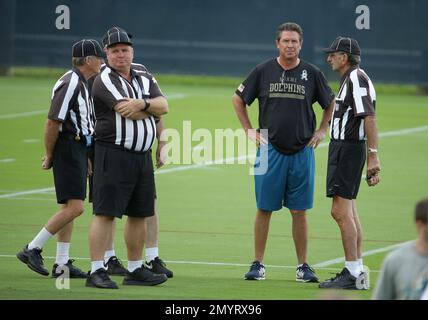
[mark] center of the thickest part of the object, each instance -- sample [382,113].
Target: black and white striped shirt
[72,104]
[356,99]
[110,88]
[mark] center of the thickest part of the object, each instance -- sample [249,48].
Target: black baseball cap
[116,35]
[344,44]
[87,47]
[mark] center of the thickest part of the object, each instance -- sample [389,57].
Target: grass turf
[206,213]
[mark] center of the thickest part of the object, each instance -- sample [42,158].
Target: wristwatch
[147,104]
[372,150]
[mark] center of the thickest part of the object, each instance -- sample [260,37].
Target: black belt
[87,140]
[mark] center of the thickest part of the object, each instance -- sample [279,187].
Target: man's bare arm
[242,114]
[373,163]
[156,106]
[50,137]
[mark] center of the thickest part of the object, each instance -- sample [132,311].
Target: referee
[353,133]
[126,103]
[68,134]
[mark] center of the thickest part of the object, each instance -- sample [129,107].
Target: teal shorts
[288,181]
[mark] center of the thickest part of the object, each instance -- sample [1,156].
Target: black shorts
[91,157]
[124,182]
[345,166]
[70,167]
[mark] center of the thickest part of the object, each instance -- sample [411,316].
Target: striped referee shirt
[72,105]
[110,88]
[356,99]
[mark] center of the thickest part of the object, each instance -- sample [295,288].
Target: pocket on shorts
[334,155]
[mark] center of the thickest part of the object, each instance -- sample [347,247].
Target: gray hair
[353,59]
[78,62]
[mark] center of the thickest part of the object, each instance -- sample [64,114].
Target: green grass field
[206,212]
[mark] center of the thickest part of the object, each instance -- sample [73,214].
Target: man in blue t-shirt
[286,88]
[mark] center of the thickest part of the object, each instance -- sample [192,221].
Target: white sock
[353,267]
[62,253]
[95,265]
[40,240]
[360,262]
[152,253]
[132,265]
[108,254]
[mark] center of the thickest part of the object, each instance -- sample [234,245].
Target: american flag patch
[241,88]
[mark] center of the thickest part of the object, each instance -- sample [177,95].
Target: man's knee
[339,215]
[75,208]
[298,214]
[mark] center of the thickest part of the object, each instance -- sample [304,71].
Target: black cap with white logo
[344,44]
[87,47]
[116,35]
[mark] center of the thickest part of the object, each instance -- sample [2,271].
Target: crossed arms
[133,108]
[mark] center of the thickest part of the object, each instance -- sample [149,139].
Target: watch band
[147,104]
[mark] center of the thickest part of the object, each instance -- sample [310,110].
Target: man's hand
[256,137]
[317,138]
[373,169]
[129,108]
[47,162]
[160,157]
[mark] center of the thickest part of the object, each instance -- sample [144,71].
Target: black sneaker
[305,273]
[115,267]
[100,279]
[159,267]
[73,272]
[33,259]
[343,280]
[143,277]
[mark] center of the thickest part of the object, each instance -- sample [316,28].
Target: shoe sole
[168,274]
[71,277]
[91,285]
[258,279]
[307,281]
[22,258]
[116,273]
[344,288]
[142,283]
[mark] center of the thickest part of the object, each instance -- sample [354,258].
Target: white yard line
[204,263]
[32,199]
[15,194]
[402,132]
[205,164]
[23,114]
[365,254]
[8,160]
[174,96]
